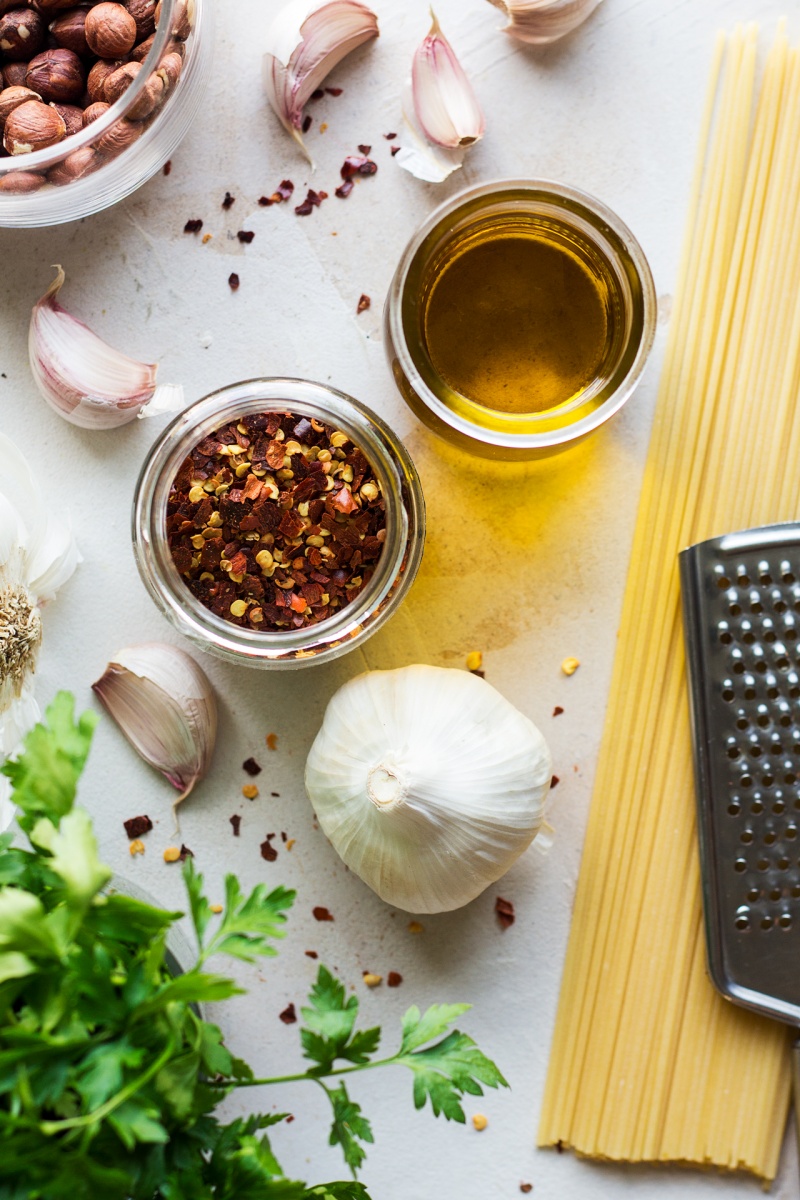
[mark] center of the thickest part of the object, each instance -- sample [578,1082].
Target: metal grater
[741,608]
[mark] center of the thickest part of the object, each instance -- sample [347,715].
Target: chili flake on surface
[136,826]
[505,912]
[275,522]
[289,1015]
[322,914]
[251,766]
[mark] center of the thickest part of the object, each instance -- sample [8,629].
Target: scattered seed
[394,979]
[171,854]
[479,1121]
[505,912]
[216,908]
[554,781]
[557,711]
[207,238]
[415,927]
[364,303]
[136,847]
[323,127]
[136,826]
[372,980]
[272,744]
[233,282]
[289,1016]
[474,660]
[251,766]
[322,914]
[290,843]
[570,665]
[249,791]
[245,236]
[193,226]
[236,822]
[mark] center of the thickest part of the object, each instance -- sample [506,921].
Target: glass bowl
[579,225]
[349,626]
[115,154]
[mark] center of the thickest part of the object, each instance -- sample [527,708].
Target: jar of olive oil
[519,318]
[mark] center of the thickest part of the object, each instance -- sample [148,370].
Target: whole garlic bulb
[428,783]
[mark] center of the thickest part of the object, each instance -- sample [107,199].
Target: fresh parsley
[110,1077]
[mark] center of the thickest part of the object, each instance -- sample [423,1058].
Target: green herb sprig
[109,1075]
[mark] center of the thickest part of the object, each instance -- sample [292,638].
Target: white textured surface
[525,563]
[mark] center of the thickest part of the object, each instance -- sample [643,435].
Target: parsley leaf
[247,923]
[450,1069]
[45,776]
[330,1019]
[349,1127]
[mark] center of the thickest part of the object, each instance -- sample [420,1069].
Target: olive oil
[518,319]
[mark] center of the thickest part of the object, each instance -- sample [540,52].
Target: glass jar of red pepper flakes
[278,522]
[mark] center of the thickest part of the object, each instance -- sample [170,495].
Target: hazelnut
[33,126]
[69,31]
[151,97]
[14,74]
[110,30]
[51,6]
[123,133]
[80,162]
[56,75]
[117,81]
[72,116]
[21,182]
[139,53]
[11,98]
[182,18]
[21,34]
[96,82]
[93,111]
[170,70]
[144,14]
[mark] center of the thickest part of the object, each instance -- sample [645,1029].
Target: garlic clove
[165,706]
[428,783]
[307,39]
[85,380]
[444,101]
[539,22]
[418,156]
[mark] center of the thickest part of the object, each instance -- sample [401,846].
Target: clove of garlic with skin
[165,706]
[428,783]
[539,22]
[85,380]
[304,43]
[445,104]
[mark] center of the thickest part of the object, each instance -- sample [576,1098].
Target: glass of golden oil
[519,318]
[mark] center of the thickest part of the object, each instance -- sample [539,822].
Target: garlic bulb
[85,380]
[446,106]
[541,21]
[428,783]
[37,555]
[307,39]
[165,706]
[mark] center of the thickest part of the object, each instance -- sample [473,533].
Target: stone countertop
[526,563]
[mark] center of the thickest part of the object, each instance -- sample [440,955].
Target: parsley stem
[383,1062]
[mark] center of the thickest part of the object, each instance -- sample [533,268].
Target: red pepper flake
[364,303]
[236,822]
[334,91]
[268,851]
[233,281]
[344,189]
[322,914]
[185,853]
[313,200]
[554,781]
[251,766]
[390,136]
[557,711]
[283,837]
[365,149]
[396,150]
[353,165]
[168,166]
[306,122]
[229,201]
[317,95]
[394,979]
[525,1188]
[193,226]
[289,1016]
[289,1119]
[267,201]
[245,236]
[505,912]
[276,794]
[136,826]
[311,954]
[284,189]
[272,744]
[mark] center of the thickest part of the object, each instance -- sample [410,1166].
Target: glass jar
[120,150]
[579,226]
[349,626]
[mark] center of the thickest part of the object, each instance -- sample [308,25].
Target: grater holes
[726,637]
[763,863]
[794,891]
[783,863]
[790,833]
[740,865]
[746,781]
[773,692]
[755,751]
[749,692]
[787,574]
[742,919]
[742,578]
[785,920]
[735,608]
[770,837]
[779,805]
[767,780]
[764,576]
[722,580]
[775,893]
[734,752]
[728,694]
[785,720]
[757,807]
[742,723]
[735,807]
[746,837]
[753,894]
[766,922]
[763,720]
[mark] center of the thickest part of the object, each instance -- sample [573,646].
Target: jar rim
[506,437]
[397,564]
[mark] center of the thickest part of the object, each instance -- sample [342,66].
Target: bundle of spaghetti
[648,1063]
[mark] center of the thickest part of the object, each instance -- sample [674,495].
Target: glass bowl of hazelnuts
[96,96]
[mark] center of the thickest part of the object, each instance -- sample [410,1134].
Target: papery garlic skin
[37,555]
[539,22]
[165,706]
[428,783]
[307,39]
[85,380]
[444,101]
